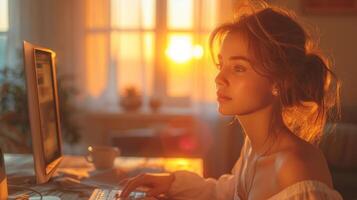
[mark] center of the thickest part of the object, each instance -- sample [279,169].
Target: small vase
[155,104]
[131,103]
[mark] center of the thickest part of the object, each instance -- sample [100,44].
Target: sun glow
[181,49]
[197,51]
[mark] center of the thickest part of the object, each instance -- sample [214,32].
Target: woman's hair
[286,53]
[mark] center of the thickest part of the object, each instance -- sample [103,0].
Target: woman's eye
[239,68]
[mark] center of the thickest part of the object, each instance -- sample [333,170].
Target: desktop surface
[77,179]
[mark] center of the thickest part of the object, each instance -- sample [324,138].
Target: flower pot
[131,103]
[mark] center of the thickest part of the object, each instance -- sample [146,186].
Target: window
[4,27]
[153,45]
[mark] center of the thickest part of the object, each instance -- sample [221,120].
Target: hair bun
[313,78]
[312,59]
[315,65]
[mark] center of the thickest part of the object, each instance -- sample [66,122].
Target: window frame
[160,32]
[6,34]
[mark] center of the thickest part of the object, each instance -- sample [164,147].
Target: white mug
[102,156]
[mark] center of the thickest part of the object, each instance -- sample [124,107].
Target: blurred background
[137,74]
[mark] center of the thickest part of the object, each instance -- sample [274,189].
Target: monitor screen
[47,106]
[41,84]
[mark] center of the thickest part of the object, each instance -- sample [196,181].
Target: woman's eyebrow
[240,58]
[236,58]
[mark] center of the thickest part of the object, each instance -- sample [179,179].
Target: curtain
[78,32]
[117,58]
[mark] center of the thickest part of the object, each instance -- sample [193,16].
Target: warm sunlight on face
[240,89]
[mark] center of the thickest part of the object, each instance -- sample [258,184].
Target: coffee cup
[102,156]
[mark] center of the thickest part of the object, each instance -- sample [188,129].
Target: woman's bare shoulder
[299,160]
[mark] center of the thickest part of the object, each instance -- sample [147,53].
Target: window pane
[3,41]
[179,79]
[179,52]
[148,10]
[97,13]
[133,14]
[180,14]
[135,64]
[97,63]
[149,46]
[4,16]
[209,15]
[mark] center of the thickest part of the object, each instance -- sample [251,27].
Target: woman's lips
[222,98]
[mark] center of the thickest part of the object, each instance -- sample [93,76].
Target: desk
[19,170]
[97,128]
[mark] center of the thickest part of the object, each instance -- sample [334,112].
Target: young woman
[281,90]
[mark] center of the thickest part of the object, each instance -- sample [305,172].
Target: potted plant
[131,99]
[15,134]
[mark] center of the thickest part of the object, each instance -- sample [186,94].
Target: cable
[26,188]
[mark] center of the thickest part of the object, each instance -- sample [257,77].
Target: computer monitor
[41,83]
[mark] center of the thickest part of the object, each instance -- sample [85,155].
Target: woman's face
[240,89]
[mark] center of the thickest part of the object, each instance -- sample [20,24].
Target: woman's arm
[188,185]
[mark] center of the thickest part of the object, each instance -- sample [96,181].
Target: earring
[275,92]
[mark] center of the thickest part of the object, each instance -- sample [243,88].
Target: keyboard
[112,194]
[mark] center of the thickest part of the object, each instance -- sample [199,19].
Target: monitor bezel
[43,172]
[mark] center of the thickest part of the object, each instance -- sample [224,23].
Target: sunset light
[181,49]
[126,40]
[197,51]
[164,99]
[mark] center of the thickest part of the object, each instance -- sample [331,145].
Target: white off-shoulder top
[190,186]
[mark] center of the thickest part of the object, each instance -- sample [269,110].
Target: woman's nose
[221,79]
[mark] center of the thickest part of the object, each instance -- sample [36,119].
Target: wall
[339,38]
[58,24]
[55,24]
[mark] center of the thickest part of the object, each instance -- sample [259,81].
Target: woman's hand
[158,183]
